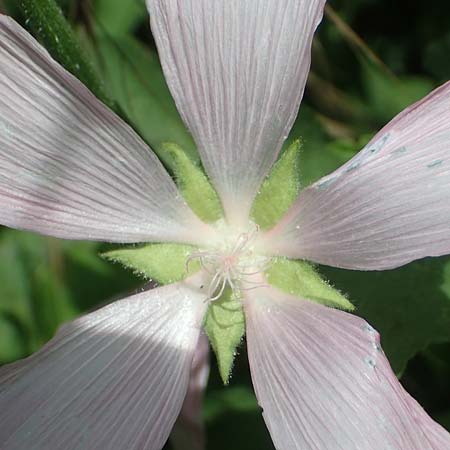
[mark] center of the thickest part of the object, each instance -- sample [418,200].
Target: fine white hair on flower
[69,167]
[234,263]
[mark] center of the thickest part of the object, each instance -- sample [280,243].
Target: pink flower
[70,168]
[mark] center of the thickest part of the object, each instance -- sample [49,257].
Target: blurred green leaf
[31,293]
[231,399]
[15,283]
[436,57]
[54,304]
[318,157]
[92,281]
[444,419]
[431,364]
[409,306]
[387,95]
[45,282]
[12,346]
[234,420]
[118,17]
[134,79]
[45,20]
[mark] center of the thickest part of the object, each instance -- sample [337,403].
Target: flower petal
[324,383]
[71,168]
[387,206]
[188,432]
[115,378]
[237,70]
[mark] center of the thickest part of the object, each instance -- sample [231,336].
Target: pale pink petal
[237,70]
[114,379]
[189,432]
[324,383]
[386,207]
[71,168]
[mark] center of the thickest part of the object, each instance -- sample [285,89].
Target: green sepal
[193,184]
[46,21]
[279,190]
[225,327]
[299,278]
[164,263]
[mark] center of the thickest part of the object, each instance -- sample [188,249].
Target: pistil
[232,262]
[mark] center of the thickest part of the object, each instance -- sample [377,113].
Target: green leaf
[193,184]
[164,263]
[55,302]
[436,57]
[387,95]
[49,296]
[225,327]
[299,278]
[318,156]
[15,283]
[11,343]
[444,419]
[134,79]
[409,306]
[32,292]
[233,416]
[118,17]
[232,399]
[91,280]
[279,190]
[45,20]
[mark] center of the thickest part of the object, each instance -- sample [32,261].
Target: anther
[231,265]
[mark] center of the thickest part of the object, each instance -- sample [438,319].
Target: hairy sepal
[193,184]
[279,190]
[167,263]
[299,278]
[225,327]
[164,263]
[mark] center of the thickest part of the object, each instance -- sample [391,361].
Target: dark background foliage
[371,58]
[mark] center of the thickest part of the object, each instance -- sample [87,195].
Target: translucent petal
[115,378]
[324,383]
[71,168]
[386,207]
[188,432]
[237,70]
[193,403]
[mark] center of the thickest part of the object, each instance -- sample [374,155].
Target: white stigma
[232,261]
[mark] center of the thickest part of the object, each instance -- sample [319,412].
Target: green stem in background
[355,41]
[45,20]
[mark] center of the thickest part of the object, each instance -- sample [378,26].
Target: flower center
[232,261]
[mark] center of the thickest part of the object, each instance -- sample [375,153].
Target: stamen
[231,264]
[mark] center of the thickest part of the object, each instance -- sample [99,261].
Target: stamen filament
[231,265]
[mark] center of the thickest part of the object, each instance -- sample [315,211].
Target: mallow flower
[70,168]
